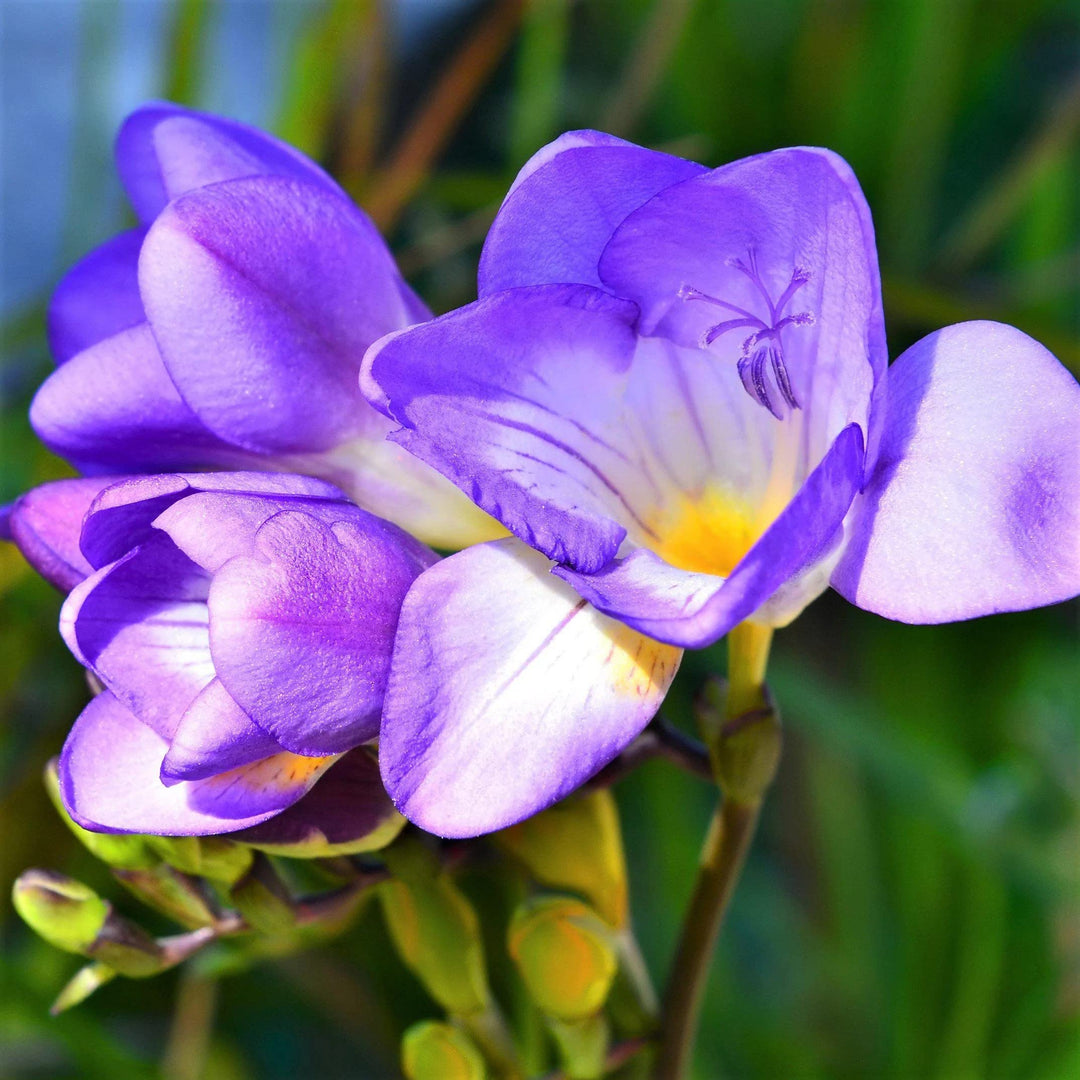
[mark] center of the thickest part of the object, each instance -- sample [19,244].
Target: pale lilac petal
[794,219]
[974,506]
[114,408]
[45,524]
[694,610]
[140,624]
[97,297]
[125,513]
[565,204]
[164,150]
[109,781]
[284,287]
[347,811]
[301,630]
[213,736]
[517,399]
[507,691]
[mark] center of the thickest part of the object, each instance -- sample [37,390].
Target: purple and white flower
[227,329]
[674,391]
[241,625]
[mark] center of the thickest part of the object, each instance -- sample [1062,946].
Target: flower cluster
[673,393]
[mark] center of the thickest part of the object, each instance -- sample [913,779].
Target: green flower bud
[577,845]
[126,852]
[65,912]
[128,949]
[85,982]
[565,954]
[437,934]
[172,893]
[263,900]
[204,856]
[432,1050]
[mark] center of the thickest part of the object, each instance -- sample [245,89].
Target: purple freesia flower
[674,388]
[227,329]
[242,625]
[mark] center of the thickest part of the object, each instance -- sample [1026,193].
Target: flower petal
[974,506]
[347,812]
[301,630]
[507,691]
[45,524]
[284,286]
[694,610]
[97,297]
[114,407]
[125,513]
[141,625]
[213,736]
[784,216]
[515,399]
[164,150]
[109,781]
[565,204]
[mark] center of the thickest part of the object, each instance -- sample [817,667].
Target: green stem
[192,1027]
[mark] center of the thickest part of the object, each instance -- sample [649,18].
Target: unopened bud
[432,1050]
[565,954]
[263,900]
[172,893]
[84,983]
[437,934]
[577,845]
[204,856]
[65,912]
[113,849]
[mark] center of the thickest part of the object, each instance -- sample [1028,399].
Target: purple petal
[114,407]
[124,514]
[141,625]
[98,297]
[794,220]
[284,286]
[301,630]
[213,736]
[974,506]
[164,150]
[348,811]
[45,524]
[515,398]
[507,691]
[694,610]
[565,203]
[109,781]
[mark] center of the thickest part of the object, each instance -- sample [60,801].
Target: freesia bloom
[674,392]
[227,329]
[241,625]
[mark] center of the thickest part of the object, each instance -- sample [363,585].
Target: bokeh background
[910,909]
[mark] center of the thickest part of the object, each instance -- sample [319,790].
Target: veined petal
[109,781]
[164,150]
[733,252]
[507,691]
[347,812]
[301,630]
[141,625]
[45,524]
[213,736]
[97,297]
[113,407]
[974,506]
[565,204]
[694,610]
[284,286]
[126,512]
[517,399]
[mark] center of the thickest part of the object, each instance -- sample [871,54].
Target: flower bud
[65,912]
[577,845]
[85,982]
[183,899]
[263,900]
[433,1050]
[114,849]
[203,856]
[565,954]
[437,934]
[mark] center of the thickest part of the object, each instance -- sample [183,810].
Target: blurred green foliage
[910,908]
